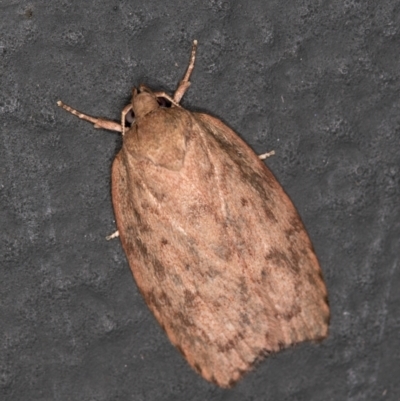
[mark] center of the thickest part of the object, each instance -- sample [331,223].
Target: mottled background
[317,81]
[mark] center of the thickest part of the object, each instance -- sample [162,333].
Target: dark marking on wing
[179,348]
[164,299]
[159,269]
[141,247]
[151,299]
[189,298]
[264,274]
[197,368]
[280,259]
[141,226]
[311,279]
[244,319]
[230,344]
[227,346]
[326,299]
[243,286]
[183,319]
[232,382]
[222,251]
[288,316]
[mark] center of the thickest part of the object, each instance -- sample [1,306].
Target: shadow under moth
[216,247]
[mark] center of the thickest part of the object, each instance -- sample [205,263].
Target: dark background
[317,81]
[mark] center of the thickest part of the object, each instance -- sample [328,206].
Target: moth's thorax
[144,103]
[159,135]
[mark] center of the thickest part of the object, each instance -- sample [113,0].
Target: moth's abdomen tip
[195,42]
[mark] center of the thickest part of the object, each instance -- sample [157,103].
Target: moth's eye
[163,102]
[129,118]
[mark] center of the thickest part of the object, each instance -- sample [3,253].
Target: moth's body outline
[216,247]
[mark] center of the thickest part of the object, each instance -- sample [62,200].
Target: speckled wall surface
[317,81]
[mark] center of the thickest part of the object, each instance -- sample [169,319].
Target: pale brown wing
[219,253]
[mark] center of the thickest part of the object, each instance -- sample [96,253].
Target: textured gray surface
[316,81]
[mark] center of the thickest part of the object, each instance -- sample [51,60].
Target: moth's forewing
[215,245]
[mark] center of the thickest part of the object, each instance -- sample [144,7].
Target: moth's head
[143,101]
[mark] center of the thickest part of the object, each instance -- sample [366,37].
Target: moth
[215,245]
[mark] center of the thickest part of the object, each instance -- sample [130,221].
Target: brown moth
[216,247]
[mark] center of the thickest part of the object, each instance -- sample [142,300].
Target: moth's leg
[144,88]
[185,83]
[166,96]
[124,112]
[266,155]
[113,235]
[98,122]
